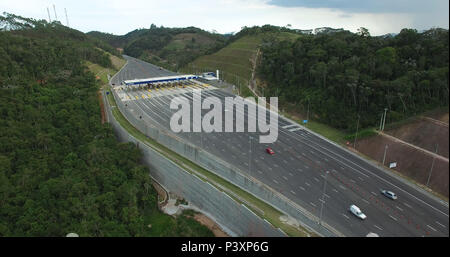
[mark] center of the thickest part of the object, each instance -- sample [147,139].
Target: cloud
[120,17]
[368,6]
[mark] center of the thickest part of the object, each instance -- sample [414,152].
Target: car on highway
[270,151]
[357,212]
[389,194]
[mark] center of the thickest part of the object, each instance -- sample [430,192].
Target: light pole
[381,121]
[384,156]
[432,164]
[323,197]
[384,120]
[250,157]
[356,135]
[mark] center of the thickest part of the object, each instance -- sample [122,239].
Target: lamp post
[384,119]
[250,157]
[356,135]
[384,156]
[432,164]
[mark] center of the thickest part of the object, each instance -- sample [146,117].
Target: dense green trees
[61,170]
[343,74]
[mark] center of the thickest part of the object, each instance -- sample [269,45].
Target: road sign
[305,121]
[392,165]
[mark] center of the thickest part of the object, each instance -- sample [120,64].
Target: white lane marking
[361,179]
[377,227]
[285,161]
[392,217]
[291,174]
[285,178]
[322,201]
[300,170]
[312,204]
[399,208]
[269,168]
[294,129]
[407,205]
[307,184]
[442,225]
[432,228]
[260,172]
[290,125]
[364,200]
[316,179]
[292,159]
[302,188]
[303,154]
[345,216]
[323,176]
[293,192]
[373,193]
[335,190]
[275,181]
[275,165]
[351,180]
[342,187]
[327,195]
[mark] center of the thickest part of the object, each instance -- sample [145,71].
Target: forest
[61,169]
[342,76]
[171,48]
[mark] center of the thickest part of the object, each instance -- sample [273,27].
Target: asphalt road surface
[298,168]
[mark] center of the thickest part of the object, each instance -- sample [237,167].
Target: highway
[298,168]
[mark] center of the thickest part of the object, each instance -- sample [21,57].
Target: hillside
[61,169]
[343,75]
[236,61]
[167,47]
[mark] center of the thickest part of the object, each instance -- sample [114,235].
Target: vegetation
[61,170]
[171,48]
[343,75]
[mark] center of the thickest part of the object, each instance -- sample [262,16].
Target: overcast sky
[122,16]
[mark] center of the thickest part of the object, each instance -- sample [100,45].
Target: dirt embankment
[411,162]
[209,223]
[426,133]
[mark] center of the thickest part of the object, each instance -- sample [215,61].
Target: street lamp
[323,197]
[432,164]
[250,157]
[356,135]
[384,120]
[384,156]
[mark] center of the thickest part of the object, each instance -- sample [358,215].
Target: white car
[357,212]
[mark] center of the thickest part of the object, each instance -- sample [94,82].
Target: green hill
[171,48]
[236,60]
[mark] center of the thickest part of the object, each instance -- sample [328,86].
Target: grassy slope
[234,59]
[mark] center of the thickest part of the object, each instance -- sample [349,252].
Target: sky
[224,16]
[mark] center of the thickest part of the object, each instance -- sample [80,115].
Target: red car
[270,151]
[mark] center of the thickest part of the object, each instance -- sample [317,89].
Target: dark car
[389,194]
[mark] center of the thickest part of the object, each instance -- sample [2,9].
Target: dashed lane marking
[302,188]
[407,205]
[377,227]
[399,208]
[432,228]
[345,216]
[393,217]
[442,225]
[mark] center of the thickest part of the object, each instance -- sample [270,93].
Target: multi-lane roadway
[300,165]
